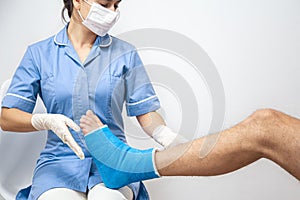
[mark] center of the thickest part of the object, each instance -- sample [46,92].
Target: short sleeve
[140,95]
[24,88]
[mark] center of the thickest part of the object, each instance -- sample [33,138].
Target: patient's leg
[266,133]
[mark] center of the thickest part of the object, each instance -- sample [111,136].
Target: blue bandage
[118,163]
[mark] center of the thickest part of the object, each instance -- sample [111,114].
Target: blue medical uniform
[110,76]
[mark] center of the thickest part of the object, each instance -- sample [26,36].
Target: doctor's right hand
[59,125]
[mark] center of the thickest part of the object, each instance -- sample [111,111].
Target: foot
[90,122]
[118,163]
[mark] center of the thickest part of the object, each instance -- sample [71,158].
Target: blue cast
[118,163]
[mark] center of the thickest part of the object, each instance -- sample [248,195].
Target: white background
[254,44]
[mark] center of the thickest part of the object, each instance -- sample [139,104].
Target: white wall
[254,45]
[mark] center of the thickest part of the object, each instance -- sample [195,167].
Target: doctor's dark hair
[68,5]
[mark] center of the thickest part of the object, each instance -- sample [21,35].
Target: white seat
[18,153]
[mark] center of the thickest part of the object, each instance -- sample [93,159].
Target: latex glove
[166,137]
[59,125]
[154,125]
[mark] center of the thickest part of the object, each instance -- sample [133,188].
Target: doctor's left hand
[59,125]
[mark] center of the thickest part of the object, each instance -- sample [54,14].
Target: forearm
[16,120]
[150,121]
[20,121]
[154,125]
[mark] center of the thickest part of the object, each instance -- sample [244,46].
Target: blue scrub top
[110,76]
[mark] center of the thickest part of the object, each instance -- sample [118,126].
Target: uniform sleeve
[24,88]
[140,95]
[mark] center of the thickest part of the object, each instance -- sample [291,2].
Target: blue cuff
[142,107]
[10,101]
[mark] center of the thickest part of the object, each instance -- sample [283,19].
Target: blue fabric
[118,163]
[108,78]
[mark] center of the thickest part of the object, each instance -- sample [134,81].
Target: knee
[265,115]
[264,120]
[261,123]
[101,192]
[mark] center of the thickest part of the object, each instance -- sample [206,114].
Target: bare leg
[266,133]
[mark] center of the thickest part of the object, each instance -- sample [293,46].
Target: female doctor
[80,68]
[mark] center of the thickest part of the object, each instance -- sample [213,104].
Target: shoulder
[42,45]
[40,51]
[122,44]
[51,42]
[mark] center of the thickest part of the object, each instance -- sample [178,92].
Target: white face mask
[100,19]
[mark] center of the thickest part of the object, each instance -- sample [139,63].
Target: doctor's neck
[79,35]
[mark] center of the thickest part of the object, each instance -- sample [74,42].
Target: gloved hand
[166,137]
[59,125]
